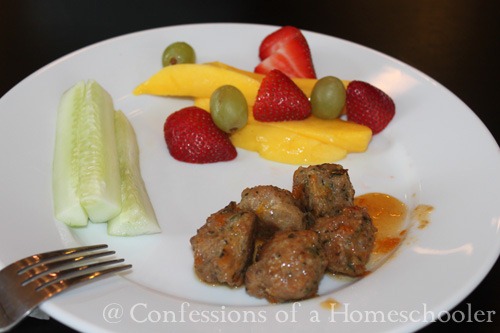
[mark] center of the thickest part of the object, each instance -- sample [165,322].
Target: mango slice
[344,134]
[253,75]
[341,133]
[197,80]
[281,145]
[306,85]
[200,80]
[204,103]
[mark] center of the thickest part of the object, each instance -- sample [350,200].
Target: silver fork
[28,282]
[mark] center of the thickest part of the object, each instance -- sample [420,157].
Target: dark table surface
[456,42]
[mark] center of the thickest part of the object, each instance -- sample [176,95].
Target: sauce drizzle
[389,216]
[330,304]
[421,214]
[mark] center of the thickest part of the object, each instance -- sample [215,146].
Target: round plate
[435,152]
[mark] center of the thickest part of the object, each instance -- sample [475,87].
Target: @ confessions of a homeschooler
[143,313]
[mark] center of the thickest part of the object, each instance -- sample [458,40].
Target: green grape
[178,53]
[229,108]
[328,98]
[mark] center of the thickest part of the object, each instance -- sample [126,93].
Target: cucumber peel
[137,216]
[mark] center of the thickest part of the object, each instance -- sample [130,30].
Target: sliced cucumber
[96,171]
[99,174]
[65,167]
[137,216]
[86,178]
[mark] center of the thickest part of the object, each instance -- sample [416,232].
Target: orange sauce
[389,216]
[330,304]
[421,214]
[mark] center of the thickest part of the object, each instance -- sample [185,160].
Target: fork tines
[26,283]
[67,266]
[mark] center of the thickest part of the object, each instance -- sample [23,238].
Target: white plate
[434,152]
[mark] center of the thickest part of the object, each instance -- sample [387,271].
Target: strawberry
[277,39]
[367,105]
[192,136]
[287,50]
[279,99]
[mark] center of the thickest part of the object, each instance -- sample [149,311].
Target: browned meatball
[223,246]
[347,239]
[275,207]
[289,267]
[322,190]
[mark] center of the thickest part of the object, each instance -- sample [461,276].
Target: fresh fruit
[279,99]
[202,103]
[284,146]
[253,75]
[137,216]
[192,136]
[287,50]
[305,84]
[178,53]
[85,166]
[197,80]
[276,40]
[344,134]
[369,106]
[309,141]
[228,108]
[328,98]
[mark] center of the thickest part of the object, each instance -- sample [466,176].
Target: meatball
[275,207]
[289,267]
[348,239]
[223,246]
[322,190]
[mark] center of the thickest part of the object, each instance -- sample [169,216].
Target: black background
[455,42]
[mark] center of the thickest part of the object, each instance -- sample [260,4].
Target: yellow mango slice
[345,134]
[306,85]
[253,75]
[200,80]
[196,80]
[285,146]
[204,103]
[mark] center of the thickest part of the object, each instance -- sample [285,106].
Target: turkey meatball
[275,207]
[323,190]
[348,239]
[289,267]
[223,246]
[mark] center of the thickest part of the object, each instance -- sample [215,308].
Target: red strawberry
[279,99]
[192,136]
[277,39]
[367,105]
[287,50]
